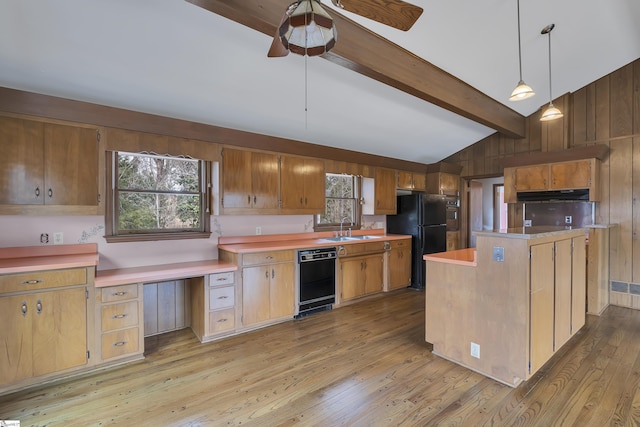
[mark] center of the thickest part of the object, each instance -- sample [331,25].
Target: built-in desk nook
[506,307]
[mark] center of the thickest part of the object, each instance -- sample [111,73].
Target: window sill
[154,237]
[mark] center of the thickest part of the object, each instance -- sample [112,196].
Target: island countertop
[532,232]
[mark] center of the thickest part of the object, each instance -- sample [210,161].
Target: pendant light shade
[551,113]
[522,91]
[308,29]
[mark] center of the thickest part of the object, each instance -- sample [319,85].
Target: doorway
[485,207]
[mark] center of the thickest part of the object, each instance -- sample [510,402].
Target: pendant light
[551,113]
[522,90]
[308,29]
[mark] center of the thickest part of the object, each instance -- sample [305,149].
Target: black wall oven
[453,213]
[317,280]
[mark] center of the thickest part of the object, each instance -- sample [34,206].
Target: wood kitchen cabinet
[453,240]
[443,183]
[44,324]
[48,164]
[119,321]
[379,193]
[268,286]
[360,270]
[411,181]
[302,185]
[250,181]
[213,305]
[399,264]
[571,175]
[558,296]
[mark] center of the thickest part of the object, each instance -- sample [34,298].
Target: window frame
[357,223]
[112,202]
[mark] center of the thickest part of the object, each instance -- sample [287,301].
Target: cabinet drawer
[118,316]
[400,243]
[267,257]
[36,280]
[221,278]
[222,297]
[221,320]
[361,248]
[119,293]
[119,343]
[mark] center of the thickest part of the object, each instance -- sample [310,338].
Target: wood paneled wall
[606,111]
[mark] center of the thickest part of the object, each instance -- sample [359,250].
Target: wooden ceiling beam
[369,54]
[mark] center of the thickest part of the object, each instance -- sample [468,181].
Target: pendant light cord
[519,43]
[550,93]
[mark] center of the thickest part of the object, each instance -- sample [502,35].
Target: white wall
[487,200]
[26,230]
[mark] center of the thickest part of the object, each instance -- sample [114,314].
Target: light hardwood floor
[362,365]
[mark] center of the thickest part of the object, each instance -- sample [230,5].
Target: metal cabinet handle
[268,257]
[24,308]
[219,279]
[50,193]
[119,316]
[39,307]
[306,202]
[31,282]
[120,343]
[119,293]
[254,199]
[222,320]
[273,273]
[249,199]
[223,297]
[37,191]
[301,201]
[266,274]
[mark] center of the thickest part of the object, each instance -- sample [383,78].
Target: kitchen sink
[339,239]
[365,237]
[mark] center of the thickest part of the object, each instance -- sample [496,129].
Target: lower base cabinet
[119,321]
[43,318]
[213,305]
[360,275]
[399,264]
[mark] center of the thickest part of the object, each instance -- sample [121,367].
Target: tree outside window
[341,201]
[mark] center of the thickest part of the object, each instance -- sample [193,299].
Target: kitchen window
[153,197]
[342,202]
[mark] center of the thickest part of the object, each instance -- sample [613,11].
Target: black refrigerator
[424,217]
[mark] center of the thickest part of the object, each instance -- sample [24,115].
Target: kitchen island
[505,308]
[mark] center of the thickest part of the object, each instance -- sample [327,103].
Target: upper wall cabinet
[379,193]
[572,175]
[48,164]
[411,181]
[302,182]
[443,183]
[250,182]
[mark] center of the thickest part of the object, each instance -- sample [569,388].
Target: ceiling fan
[394,13]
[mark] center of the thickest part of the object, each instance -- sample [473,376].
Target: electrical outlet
[498,254]
[258,230]
[568,219]
[475,350]
[527,223]
[44,238]
[58,238]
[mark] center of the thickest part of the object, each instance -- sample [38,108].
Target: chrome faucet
[342,223]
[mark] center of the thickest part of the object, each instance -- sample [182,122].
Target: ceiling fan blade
[395,13]
[277,49]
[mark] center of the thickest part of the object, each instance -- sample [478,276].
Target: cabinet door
[529,178]
[21,161]
[351,278]
[15,339]
[449,184]
[405,180]
[71,165]
[563,263]
[255,294]
[385,191]
[541,304]
[578,284]
[265,178]
[292,178]
[400,268]
[236,181]
[419,182]
[282,292]
[374,273]
[452,240]
[59,330]
[571,175]
[314,179]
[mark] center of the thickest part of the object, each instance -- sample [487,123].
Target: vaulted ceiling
[447,88]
